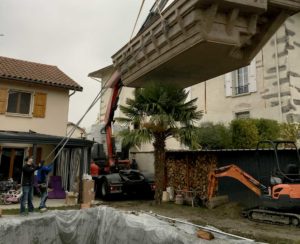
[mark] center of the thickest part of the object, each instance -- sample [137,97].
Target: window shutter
[228,84]
[3,100]
[39,109]
[252,76]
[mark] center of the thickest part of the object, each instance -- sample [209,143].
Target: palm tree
[155,114]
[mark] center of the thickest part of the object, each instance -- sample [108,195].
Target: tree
[155,114]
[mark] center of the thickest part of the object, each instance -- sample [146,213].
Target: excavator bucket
[217,201]
[196,40]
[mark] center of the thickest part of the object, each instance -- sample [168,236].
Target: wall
[145,160]
[57,108]
[78,133]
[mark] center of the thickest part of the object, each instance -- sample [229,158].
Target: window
[242,115]
[18,102]
[240,81]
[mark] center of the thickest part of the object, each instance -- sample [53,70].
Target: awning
[36,138]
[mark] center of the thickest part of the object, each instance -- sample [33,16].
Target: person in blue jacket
[43,183]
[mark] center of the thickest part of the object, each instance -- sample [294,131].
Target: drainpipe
[72,93]
[278,78]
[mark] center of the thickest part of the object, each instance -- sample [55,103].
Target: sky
[78,36]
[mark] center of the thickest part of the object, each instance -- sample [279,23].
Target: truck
[117,175]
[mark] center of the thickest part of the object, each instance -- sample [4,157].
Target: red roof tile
[36,73]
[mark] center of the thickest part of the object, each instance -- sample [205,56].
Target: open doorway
[11,163]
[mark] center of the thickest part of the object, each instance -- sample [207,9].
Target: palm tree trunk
[159,166]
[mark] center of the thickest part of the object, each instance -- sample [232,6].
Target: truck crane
[116,177]
[279,201]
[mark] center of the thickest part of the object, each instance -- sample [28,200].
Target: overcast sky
[78,36]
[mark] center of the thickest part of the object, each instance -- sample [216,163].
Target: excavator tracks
[268,216]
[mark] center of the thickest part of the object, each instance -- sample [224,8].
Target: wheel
[105,189]
[295,221]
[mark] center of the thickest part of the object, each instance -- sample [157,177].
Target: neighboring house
[34,105]
[268,88]
[78,132]
[34,96]
[104,75]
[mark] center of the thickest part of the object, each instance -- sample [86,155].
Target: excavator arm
[235,172]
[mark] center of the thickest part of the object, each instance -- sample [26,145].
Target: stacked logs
[190,172]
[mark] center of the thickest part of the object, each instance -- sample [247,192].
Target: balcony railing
[241,89]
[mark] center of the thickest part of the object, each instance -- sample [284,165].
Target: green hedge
[214,136]
[241,133]
[244,133]
[289,132]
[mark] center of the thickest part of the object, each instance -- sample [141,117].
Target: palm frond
[135,137]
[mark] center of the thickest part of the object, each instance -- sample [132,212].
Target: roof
[108,70]
[78,127]
[36,73]
[36,138]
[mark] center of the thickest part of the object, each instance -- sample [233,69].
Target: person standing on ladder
[43,183]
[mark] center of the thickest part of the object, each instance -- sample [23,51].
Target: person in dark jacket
[43,183]
[27,185]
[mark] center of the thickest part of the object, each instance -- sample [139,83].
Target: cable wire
[136,21]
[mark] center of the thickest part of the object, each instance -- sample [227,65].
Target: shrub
[267,129]
[214,136]
[289,132]
[244,133]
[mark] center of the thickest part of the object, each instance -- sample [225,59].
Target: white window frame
[241,81]
[249,83]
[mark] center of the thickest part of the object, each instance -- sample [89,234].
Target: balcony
[196,40]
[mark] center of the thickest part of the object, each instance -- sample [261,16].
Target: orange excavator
[279,202]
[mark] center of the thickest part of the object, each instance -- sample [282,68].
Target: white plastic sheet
[96,225]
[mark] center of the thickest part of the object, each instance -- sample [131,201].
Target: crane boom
[115,84]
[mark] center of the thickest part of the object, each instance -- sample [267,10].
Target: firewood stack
[190,172]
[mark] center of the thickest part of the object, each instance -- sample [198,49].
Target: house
[267,88]
[77,131]
[34,105]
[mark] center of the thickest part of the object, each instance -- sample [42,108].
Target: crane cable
[136,21]
[65,140]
